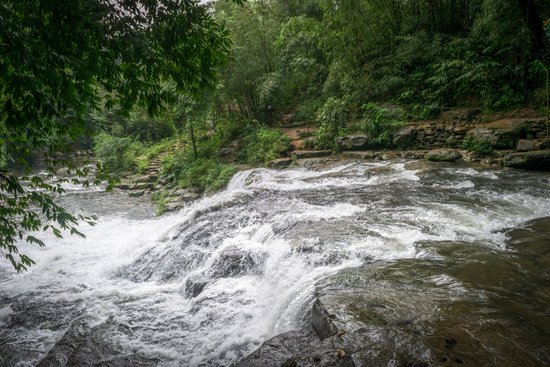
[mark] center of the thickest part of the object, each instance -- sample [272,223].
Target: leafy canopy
[60,59]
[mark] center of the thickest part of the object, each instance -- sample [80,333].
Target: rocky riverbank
[516,140]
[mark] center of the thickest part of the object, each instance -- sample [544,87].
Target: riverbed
[206,286]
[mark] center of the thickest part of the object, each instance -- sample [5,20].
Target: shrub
[263,145]
[477,146]
[331,117]
[118,154]
[380,123]
[206,174]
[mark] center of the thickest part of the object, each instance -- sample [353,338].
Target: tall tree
[60,58]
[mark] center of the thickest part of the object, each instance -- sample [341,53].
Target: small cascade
[207,285]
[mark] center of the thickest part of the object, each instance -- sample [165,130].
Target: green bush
[118,154]
[306,111]
[206,174]
[477,146]
[331,118]
[263,145]
[380,123]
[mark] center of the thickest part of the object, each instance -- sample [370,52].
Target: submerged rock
[233,262]
[86,345]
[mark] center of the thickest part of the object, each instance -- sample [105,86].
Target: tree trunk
[533,22]
[193,144]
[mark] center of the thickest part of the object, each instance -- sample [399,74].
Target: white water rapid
[207,285]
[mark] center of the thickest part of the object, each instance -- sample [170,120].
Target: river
[207,285]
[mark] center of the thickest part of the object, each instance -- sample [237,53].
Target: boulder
[404,137]
[525,145]
[194,286]
[491,136]
[354,142]
[538,160]
[504,134]
[234,262]
[443,155]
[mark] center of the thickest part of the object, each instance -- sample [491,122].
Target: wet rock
[301,154]
[538,160]
[298,349]
[354,142]
[190,195]
[280,163]
[281,350]
[194,286]
[443,155]
[321,321]
[414,154]
[84,345]
[123,186]
[404,137]
[232,262]
[525,145]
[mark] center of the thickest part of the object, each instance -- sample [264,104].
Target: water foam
[207,285]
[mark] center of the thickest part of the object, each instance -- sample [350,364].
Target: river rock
[232,262]
[354,142]
[404,137]
[503,134]
[538,160]
[194,286]
[443,155]
[86,345]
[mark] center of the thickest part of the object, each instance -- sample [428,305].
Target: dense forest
[341,66]
[198,88]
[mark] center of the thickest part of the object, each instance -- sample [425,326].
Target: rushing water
[207,285]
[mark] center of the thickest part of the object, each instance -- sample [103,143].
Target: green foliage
[32,208]
[61,59]
[477,146]
[263,145]
[206,174]
[381,123]
[117,154]
[306,111]
[332,118]
[160,198]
